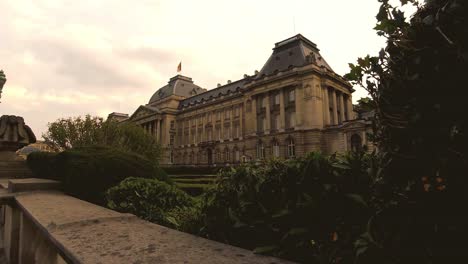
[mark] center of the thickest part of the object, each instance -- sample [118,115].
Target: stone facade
[296,104]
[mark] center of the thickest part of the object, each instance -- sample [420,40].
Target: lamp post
[2,81]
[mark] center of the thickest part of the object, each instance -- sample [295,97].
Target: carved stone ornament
[2,82]
[14,133]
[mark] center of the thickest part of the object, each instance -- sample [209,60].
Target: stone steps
[14,169]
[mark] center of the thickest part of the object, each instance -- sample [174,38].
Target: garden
[404,203]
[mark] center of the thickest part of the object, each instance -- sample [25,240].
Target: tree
[67,133]
[421,132]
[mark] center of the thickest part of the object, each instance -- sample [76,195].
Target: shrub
[154,201]
[67,133]
[303,210]
[89,171]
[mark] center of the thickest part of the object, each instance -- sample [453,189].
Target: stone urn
[2,81]
[14,134]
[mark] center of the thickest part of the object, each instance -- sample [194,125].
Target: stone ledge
[32,184]
[87,233]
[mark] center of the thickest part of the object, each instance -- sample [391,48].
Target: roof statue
[14,133]
[2,81]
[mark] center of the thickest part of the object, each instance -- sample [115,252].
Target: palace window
[210,134]
[227,155]
[227,114]
[236,131]
[171,139]
[276,122]
[291,96]
[171,157]
[291,119]
[291,148]
[236,111]
[237,155]
[218,115]
[218,133]
[208,117]
[276,149]
[260,150]
[172,124]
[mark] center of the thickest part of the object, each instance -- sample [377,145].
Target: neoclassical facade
[294,105]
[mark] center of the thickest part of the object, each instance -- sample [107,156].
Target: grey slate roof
[177,85]
[225,90]
[293,52]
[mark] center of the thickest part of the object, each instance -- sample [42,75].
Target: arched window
[291,148]
[260,150]
[356,143]
[218,156]
[171,157]
[275,150]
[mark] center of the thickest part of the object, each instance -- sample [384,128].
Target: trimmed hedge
[89,171]
[154,201]
[181,170]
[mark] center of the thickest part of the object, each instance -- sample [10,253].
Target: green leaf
[357,198]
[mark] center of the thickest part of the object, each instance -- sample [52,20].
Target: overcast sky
[67,58]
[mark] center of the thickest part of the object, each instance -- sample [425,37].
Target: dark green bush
[306,210]
[180,170]
[153,200]
[88,172]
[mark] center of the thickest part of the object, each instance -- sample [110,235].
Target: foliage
[88,172]
[67,133]
[309,210]
[421,131]
[154,201]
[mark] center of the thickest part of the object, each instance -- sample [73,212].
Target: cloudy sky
[67,58]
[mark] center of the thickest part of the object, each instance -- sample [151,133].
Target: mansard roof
[296,51]
[177,85]
[226,90]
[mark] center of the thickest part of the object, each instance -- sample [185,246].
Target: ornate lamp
[2,81]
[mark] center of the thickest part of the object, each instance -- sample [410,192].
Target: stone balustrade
[39,224]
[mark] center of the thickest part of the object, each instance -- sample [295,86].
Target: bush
[68,133]
[89,171]
[292,209]
[154,201]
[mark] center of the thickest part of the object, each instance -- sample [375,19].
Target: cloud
[66,57]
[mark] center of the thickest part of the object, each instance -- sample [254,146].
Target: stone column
[190,131]
[350,108]
[267,114]
[282,114]
[241,121]
[254,114]
[342,114]
[299,107]
[335,108]
[222,124]
[326,104]
[158,131]
[231,118]
[196,130]
[204,117]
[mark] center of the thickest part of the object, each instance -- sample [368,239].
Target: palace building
[294,105]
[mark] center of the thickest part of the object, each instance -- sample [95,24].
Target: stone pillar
[196,130]
[326,104]
[350,108]
[335,108]
[267,114]
[231,128]
[190,131]
[204,136]
[222,124]
[158,131]
[254,114]
[282,114]
[241,121]
[342,109]
[11,233]
[299,107]
[182,137]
